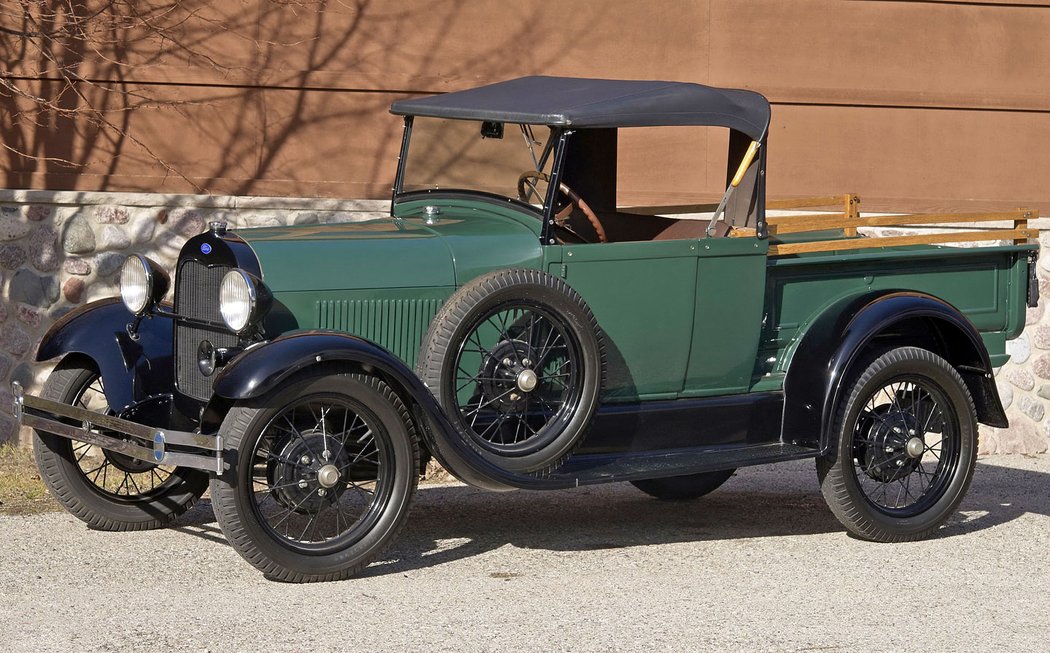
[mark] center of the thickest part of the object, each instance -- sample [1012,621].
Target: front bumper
[145,443]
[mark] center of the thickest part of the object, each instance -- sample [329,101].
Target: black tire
[539,367]
[684,488]
[908,408]
[276,507]
[106,490]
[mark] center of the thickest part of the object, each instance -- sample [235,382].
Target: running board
[590,469]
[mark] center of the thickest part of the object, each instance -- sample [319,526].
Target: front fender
[262,368]
[822,363]
[132,369]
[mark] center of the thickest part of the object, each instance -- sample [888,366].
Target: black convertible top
[577,102]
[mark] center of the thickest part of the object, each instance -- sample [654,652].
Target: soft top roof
[577,102]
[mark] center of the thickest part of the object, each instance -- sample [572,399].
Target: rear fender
[132,368]
[825,359]
[262,368]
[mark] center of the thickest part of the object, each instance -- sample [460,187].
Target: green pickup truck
[518,323]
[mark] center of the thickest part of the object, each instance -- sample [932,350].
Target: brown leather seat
[691,230]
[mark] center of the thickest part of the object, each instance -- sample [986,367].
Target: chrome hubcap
[328,476]
[915,447]
[527,380]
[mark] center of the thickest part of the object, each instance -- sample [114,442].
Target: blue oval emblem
[205,248]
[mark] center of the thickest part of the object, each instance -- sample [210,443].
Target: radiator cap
[218,227]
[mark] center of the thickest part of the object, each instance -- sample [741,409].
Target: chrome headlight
[243,299]
[143,283]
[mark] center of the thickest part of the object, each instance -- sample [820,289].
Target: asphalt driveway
[761,565]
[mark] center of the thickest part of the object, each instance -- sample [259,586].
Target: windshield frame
[555,147]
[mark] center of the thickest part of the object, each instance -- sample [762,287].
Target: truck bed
[819,259]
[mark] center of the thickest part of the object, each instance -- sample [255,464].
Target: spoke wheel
[515,360]
[108,490]
[515,379]
[907,447]
[325,475]
[319,473]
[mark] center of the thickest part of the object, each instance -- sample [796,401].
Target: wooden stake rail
[800,223]
[849,219]
[1017,235]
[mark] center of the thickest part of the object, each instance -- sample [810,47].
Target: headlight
[142,283]
[236,299]
[243,299]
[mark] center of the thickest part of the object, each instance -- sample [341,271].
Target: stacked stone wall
[1024,382]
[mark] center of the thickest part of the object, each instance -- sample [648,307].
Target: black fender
[132,368]
[822,362]
[263,367]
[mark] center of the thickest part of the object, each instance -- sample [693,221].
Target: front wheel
[107,490]
[326,468]
[906,450]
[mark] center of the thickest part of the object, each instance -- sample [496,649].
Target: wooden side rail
[850,219]
[850,203]
[819,222]
[1017,235]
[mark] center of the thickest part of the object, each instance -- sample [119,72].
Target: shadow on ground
[455,522]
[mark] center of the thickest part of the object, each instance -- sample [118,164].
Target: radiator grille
[397,325]
[197,296]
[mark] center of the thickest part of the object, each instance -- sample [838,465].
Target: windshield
[503,159]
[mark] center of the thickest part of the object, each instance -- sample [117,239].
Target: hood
[390,252]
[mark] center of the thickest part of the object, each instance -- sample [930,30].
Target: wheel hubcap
[307,472]
[915,447]
[885,456]
[527,380]
[328,476]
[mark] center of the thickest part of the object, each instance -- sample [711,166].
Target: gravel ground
[760,565]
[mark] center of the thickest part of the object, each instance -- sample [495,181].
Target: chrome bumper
[139,442]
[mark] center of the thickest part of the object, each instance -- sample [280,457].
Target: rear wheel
[906,450]
[684,488]
[107,490]
[326,469]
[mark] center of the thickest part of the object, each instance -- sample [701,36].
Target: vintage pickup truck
[514,321]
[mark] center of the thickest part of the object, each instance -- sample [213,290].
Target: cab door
[727,318]
[681,318]
[643,295]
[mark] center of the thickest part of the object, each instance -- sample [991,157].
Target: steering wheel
[527,186]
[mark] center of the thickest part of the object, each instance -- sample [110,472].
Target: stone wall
[1024,382]
[59,250]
